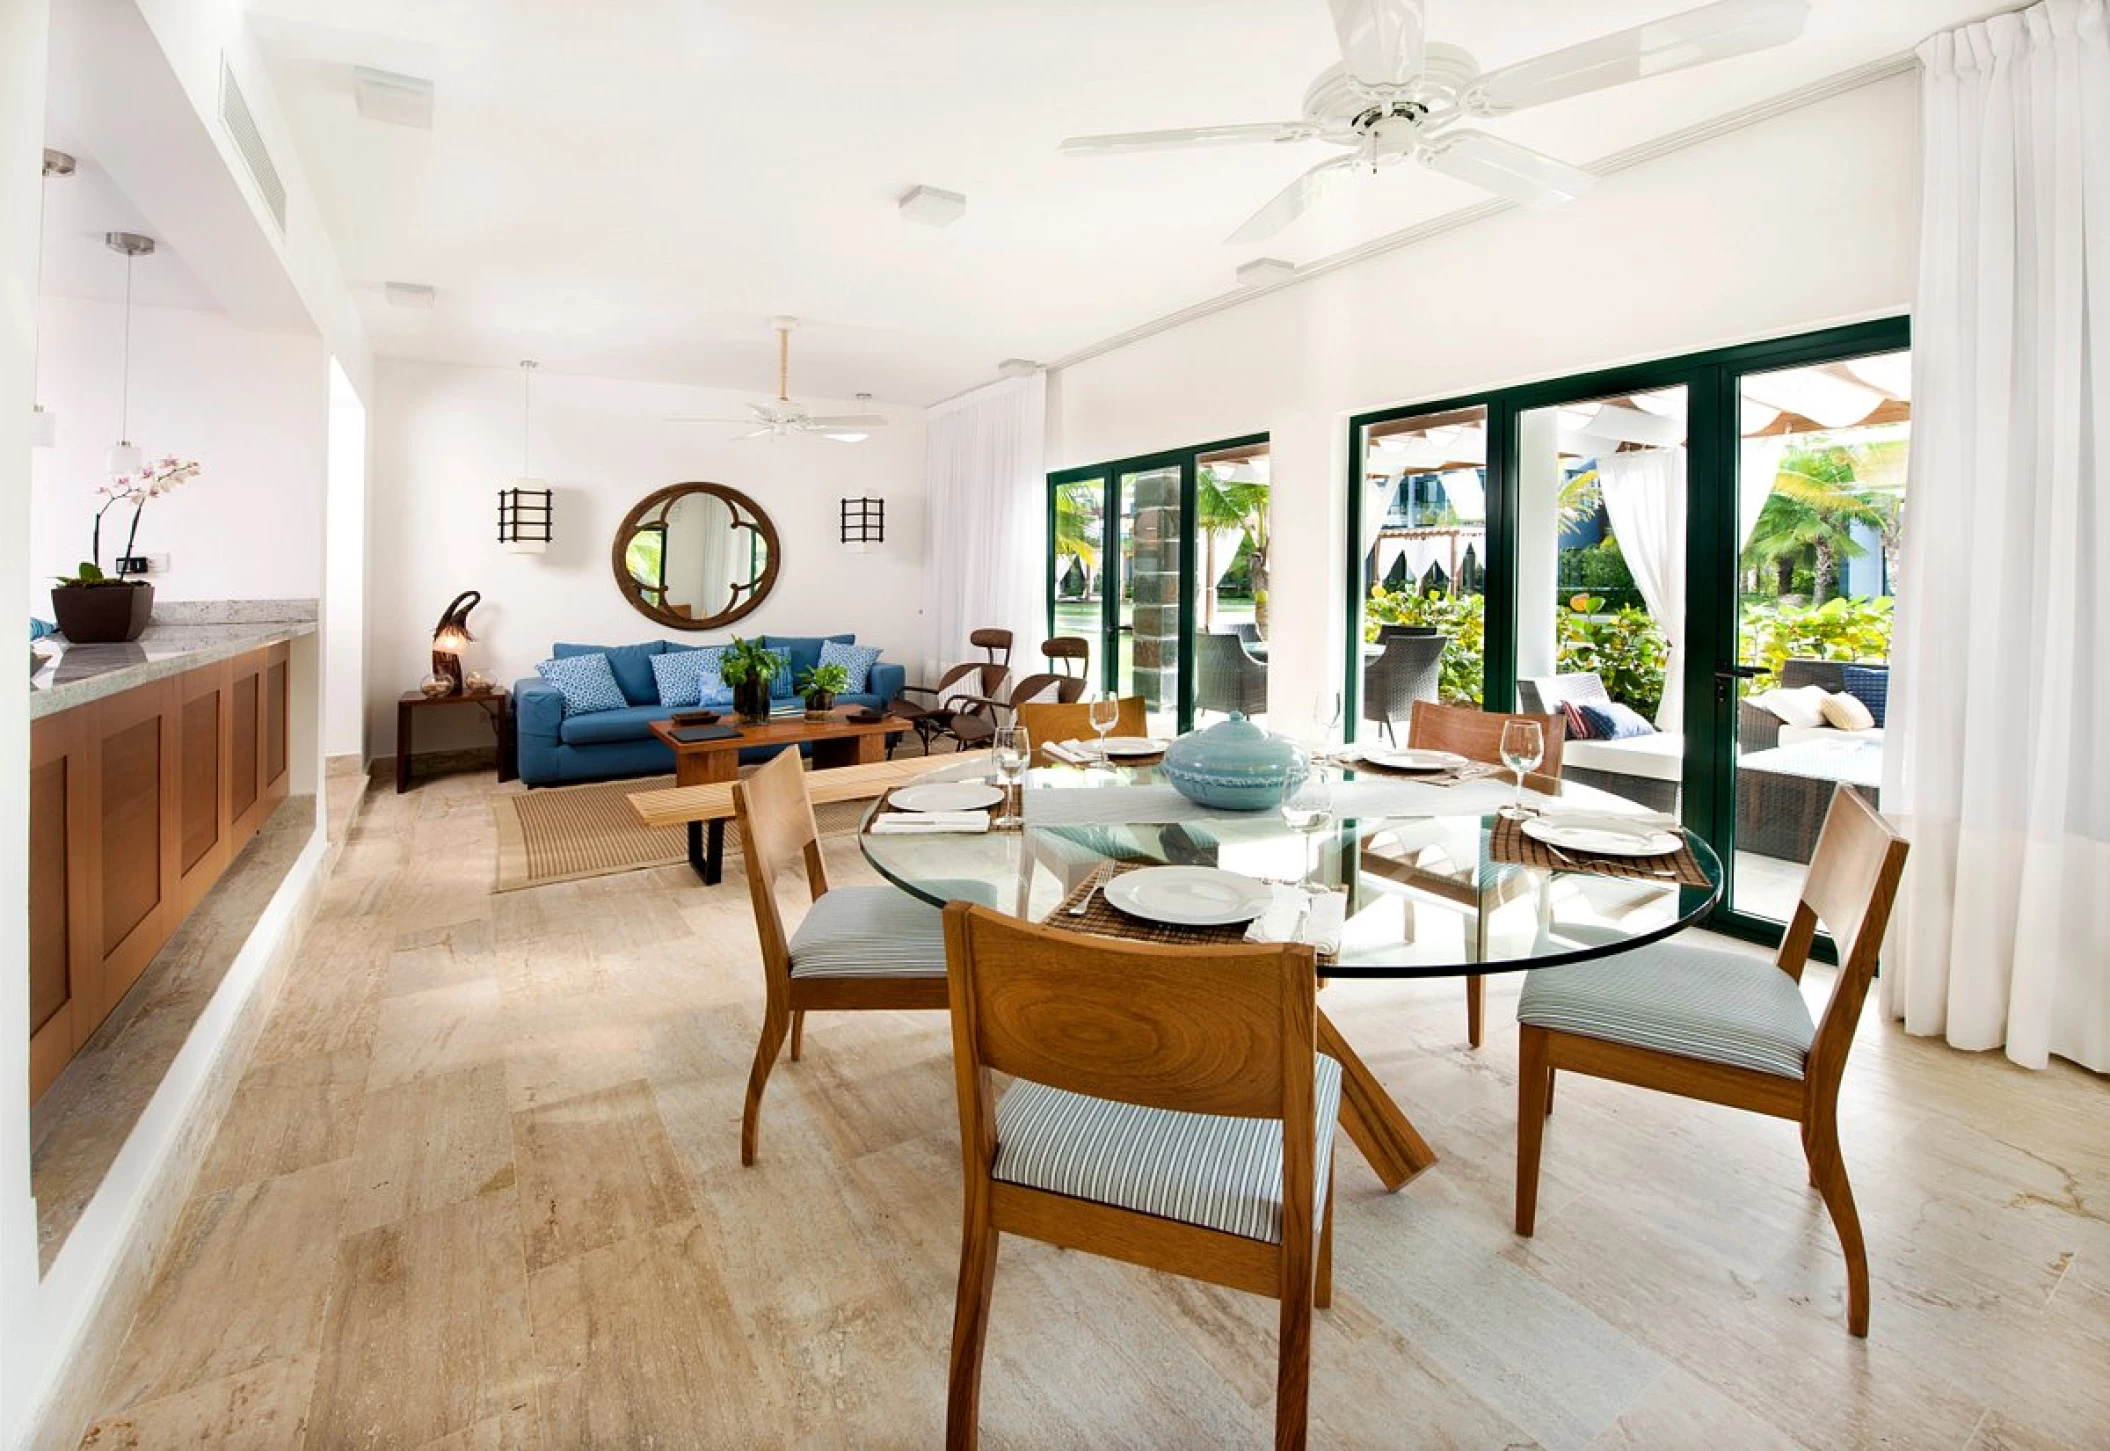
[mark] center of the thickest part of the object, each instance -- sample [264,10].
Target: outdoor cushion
[632,665]
[587,681]
[857,659]
[1869,684]
[1200,1168]
[869,932]
[1698,1002]
[1658,757]
[1798,707]
[627,723]
[1847,713]
[1612,721]
[1578,723]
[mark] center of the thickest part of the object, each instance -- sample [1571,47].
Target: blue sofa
[555,751]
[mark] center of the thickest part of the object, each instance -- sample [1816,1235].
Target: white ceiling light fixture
[932,206]
[1396,97]
[786,419]
[1263,270]
[1017,368]
[43,424]
[392,99]
[418,296]
[124,456]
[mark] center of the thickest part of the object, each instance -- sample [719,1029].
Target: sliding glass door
[1152,561]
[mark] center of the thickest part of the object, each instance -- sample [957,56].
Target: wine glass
[1308,809]
[1523,746]
[1326,715]
[1014,748]
[1104,714]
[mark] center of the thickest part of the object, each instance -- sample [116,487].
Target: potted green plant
[819,686]
[748,667]
[94,608]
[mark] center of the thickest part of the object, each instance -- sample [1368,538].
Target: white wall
[445,439]
[344,574]
[251,407]
[1793,223]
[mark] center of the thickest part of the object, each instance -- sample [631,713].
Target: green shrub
[1622,647]
[1462,620]
[1838,629]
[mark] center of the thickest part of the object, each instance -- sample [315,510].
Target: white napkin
[1072,751]
[907,823]
[1295,915]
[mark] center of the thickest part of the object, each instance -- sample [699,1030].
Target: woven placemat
[1509,844]
[1103,919]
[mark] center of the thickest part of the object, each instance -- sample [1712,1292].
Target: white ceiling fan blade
[846,437]
[707,420]
[755,433]
[1507,169]
[1690,38]
[1188,136]
[1294,200]
[1381,40]
[847,420]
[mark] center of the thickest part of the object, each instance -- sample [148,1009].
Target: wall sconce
[449,637]
[863,524]
[524,518]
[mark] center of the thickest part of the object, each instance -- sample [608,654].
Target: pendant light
[44,424]
[125,456]
[524,508]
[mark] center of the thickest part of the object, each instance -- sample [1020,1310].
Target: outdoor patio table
[1423,896]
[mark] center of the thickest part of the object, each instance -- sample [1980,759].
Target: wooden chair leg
[1322,1292]
[798,1033]
[970,1327]
[1293,1374]
[1828,1172]
[1475,1009]
[1549,1092]
[774,1026]
[1534,1089]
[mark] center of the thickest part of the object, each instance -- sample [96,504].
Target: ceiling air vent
[241,129]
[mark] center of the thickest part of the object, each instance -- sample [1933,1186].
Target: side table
[495,703]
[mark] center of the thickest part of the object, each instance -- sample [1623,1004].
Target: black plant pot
[102,614]
[751,700]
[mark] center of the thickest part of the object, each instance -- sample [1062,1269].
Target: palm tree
[1077,527]
[1222,508]
[1812,512]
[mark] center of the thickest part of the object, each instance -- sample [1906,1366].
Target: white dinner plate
[1189,896]
[1602,836]
[1407,758]
[1118,746]
[946,796]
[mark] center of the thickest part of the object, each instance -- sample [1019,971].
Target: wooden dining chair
[1727,1028]
[1047,721]
[856,948]
[1168,1107]
[1477,736]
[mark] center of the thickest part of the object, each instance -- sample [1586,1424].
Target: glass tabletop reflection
[1424,897]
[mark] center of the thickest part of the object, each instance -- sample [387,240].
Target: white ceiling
[631,189]
[78,211]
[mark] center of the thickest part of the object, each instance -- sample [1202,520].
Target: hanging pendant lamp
[124,456]
[524,507]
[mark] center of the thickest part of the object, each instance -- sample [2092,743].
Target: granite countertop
[183,636]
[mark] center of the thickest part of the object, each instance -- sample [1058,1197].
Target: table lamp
[450,635]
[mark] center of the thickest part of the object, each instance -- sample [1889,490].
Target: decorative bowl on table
[1234,765]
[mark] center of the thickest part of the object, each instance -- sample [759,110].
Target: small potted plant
[94,608]
[820,685]
[748,667]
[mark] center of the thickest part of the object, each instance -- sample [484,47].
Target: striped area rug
[565,833]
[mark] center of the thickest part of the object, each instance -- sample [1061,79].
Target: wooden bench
[707,808]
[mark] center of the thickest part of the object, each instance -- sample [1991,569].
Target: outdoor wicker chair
[1226,676]
[1410,669]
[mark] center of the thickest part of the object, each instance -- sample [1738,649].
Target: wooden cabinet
[138,802]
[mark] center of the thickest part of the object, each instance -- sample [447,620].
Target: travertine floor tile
[593,1170]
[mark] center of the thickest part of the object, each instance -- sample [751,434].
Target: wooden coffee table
[836,741]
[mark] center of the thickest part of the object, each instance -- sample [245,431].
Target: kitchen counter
[183,636]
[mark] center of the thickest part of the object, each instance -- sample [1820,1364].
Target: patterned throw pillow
[1612,721]
[1869,684]
[587,682]
[857,659]
[680,674]
[780,683]
[1578,723]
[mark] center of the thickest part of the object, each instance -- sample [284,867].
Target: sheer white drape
[1644,498]
[987,540]
[1994,760]
[1759,467]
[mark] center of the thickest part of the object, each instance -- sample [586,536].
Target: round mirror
[695,556]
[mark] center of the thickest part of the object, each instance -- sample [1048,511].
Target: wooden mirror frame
[747,514]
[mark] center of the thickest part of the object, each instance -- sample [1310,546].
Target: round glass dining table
[1424,896]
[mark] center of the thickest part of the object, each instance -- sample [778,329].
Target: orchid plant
[151,482]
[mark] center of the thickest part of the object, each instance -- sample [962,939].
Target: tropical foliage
[1461,619]
[1227,510]
[1621,647]
[1823,492]
[1838,629]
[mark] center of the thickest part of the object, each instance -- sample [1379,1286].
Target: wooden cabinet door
[204,744]
[63,985]
[131,848]
[277,723]
[248,725]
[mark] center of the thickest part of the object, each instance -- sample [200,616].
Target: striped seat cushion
[1200,1168]
[869,932]
[1718,1007]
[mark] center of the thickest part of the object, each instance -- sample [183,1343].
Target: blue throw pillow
[1870,685]
[857,659]
[780,683]
[587,682]
[1611,721]
[630,664]
[679,674]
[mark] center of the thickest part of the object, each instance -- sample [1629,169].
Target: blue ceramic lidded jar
[1234,765]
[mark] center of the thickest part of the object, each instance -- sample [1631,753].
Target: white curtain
[987,474]
[1994,761]
[1644,497]
[1754,481]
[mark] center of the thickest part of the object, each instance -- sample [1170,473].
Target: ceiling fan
[1396,96]
[786,419]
